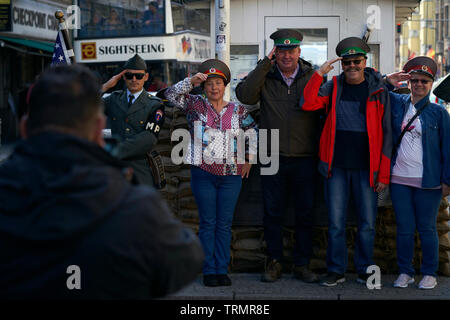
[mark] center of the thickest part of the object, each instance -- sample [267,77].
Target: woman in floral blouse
[217,168]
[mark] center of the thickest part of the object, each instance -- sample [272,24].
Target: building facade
[28,31]
[443,36]
[323,22]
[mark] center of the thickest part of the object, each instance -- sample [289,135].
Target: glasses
[349,62]
[422,81]
[129,75]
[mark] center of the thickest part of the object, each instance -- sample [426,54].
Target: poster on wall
[5,15]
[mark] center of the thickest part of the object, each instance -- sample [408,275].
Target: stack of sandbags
[177,191]
[247,249]
[443,228]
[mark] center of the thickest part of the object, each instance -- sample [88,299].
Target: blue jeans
[216,198]
[338,188]
[416,208]
[296,176]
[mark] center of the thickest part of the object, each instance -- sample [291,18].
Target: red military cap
[421,64]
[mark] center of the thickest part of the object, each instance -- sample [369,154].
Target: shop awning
[40,45]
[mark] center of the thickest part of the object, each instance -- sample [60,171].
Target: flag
[60,55]
[430,53]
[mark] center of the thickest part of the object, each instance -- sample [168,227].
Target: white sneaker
[403,281]
[428,282]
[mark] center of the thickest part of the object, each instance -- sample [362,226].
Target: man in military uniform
[135,116]
[277,83]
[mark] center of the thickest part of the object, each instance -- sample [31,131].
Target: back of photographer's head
[66,99]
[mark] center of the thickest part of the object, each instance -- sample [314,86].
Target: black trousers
[296,178]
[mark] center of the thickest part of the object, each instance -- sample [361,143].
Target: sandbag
[247,244]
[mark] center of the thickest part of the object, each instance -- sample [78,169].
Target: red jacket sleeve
[315,96]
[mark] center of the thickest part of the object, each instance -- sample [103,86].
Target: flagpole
[63,28]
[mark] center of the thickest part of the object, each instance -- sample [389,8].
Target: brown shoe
[272,271]
[305,274]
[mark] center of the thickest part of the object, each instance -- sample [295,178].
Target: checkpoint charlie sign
[34,19]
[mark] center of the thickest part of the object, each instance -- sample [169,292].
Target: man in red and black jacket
[354,153]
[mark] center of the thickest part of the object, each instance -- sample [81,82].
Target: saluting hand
[396,77]
[327,66]
[113,81]
[198,78]
[271,53]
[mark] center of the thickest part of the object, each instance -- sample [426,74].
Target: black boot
[223,280]
[210,280]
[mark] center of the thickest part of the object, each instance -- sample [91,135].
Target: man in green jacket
[277,84]
[135,116]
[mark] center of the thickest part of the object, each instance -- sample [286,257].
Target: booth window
[192,15]
[115,18]
[243,59]
[373,57]
[314,46]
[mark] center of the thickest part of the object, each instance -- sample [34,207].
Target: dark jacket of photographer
[65,202]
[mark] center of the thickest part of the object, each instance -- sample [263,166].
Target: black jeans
[296,177]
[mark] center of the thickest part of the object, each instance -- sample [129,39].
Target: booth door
[321,35]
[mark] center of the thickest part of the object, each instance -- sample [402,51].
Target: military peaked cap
[135,63]
[351,47]
[421,64]
[215,68]
[286,38]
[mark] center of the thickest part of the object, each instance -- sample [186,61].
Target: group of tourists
[69,199]
[372,139]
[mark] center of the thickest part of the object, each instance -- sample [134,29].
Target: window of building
[115,18]
[373,57]
[193,15]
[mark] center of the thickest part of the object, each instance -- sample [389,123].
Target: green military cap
[351,47]
[135,63]
[215,68]
[286,38]
[421,64]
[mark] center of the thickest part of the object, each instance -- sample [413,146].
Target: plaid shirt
[210,153]
[291,78]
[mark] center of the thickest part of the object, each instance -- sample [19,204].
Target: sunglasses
[129,75]
[349,62]
[422,81]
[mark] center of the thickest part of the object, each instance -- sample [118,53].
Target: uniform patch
[159,114]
